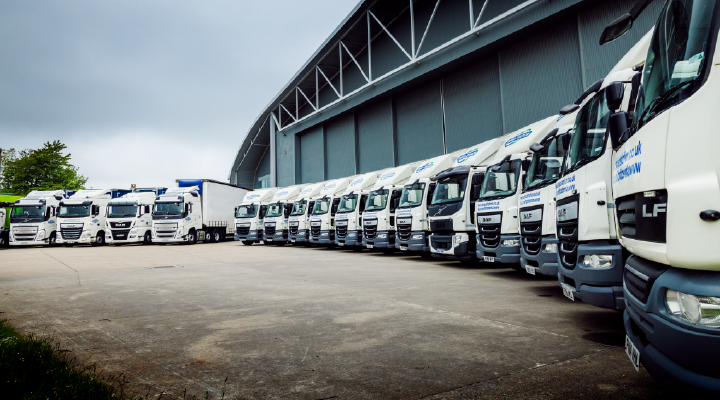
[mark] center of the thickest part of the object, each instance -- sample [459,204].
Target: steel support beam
[273,154]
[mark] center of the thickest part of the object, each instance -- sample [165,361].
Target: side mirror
[526,164]
[570,108]
[565,139]
[614,95]
[617,125]
[616,29]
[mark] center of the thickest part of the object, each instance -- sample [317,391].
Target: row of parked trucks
[617,196]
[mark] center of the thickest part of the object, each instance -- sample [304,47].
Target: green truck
[6,202]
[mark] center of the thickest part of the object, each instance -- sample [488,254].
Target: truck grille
[243,231]
[489,231]
[341,231]
[642,216]
[293,229]
[404,232]
[166,228]
[269,230]
[120,234]
[70,233]
[640,275]
[532,231]
[315,231]
[120,225]
[567,234]
[370,232]
[441,225]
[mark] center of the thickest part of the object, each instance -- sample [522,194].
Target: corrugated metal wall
[419,124]
[263,169]
[506,90]
[340,147]
[375,137]
[312,156]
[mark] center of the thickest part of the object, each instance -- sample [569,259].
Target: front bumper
[326,237]
[677,354]
[599,287]
[250,237]
[278,237]
[501,254]
[388,242]
[420,245]
[445,246]
[130,239]
[28,243]
[544,262]
[350,241]
[87,240]
[302,236]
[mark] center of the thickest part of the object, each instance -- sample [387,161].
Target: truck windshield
[546,165]
[377,200]
[247,211]
[412,195]
[74,211]
[121,211]
[322,206]
[168,209]
[274,210]
[588,141]
[500,183]
[348,203]
[30,213]
[299,208]
[677,56]
[450,189]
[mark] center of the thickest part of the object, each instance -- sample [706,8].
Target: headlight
[85,234]
[551,248]
[510,243]
[133,231]
[382,236]
[417,237]
[301,233]
[697,310]
[41,235]
[351,234]
[597,261]
[457,239]
[324,234]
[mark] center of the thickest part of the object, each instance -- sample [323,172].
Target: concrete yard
[313,323]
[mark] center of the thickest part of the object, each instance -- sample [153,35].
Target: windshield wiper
[662,100]
[540,184]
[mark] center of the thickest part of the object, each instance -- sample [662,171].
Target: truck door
[476,183]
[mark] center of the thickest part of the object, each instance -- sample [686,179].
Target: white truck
[322,221]
[198,209]
[451,211]
[299,221]
[33,219]
[413,224]
[498,227]
[348,220]
[81,218]
[278,213]
[129,219]
[249,215]
[666,188]
[538,246]
[378,220]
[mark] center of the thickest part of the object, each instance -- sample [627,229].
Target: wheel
[52,241]
[247,242]
[147,239]
[192,238]
[215,236]
[3,240]
[99,239]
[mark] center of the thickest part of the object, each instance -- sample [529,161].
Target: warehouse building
[405,80]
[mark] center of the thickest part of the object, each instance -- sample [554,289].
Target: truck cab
[278,214]
[413,225]
[82,217]
[538,246]
[129,219]
[299,220]
[379,225]
[249,215]
[33,219]
[348,220]
[666,190]
[322,221]
[452,206]
[498,228]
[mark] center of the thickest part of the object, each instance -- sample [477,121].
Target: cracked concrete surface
[314,323]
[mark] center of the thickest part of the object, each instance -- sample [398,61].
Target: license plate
[370,246]
[488,259]
[633,353]
[568,291]
[70,241]
[292,240]
[403,248]
[269,240]
[530,270]
[341,244]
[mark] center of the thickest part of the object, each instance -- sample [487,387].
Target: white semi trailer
[666,190]
[452,208]
[81,218]
[278,213]
[379,225]
[195,209]
[33,219]
[249,215]
[348,232]
[498,228]
[129,219]
[299,221]
[322,221]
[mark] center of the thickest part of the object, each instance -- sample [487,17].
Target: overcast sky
[147,91]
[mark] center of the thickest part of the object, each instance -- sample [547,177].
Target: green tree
[42,169]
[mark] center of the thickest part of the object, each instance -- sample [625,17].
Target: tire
[3,240]
[147,239]
[247,242]
[52,241]
[215,236]
[99,239]
[192,237]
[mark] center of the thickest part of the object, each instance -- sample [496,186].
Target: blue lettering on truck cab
[517,138]
[466,156]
